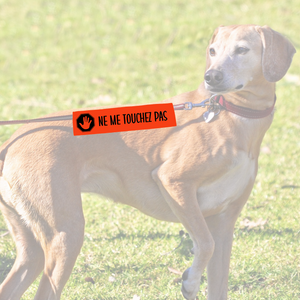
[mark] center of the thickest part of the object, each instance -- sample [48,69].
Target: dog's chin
[223,90]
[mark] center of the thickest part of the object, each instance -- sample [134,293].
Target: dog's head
[238,55]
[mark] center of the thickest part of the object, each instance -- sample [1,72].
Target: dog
[199,173]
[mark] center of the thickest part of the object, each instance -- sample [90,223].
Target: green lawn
[57,55]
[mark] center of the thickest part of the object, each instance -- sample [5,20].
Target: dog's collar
[216,103]
[243,111]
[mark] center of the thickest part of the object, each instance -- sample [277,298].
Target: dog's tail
[1,166]
[3,151]
[4,204]
[8,211]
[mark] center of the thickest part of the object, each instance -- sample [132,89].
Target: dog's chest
[229,187]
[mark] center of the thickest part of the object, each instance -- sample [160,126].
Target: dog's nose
[213,77]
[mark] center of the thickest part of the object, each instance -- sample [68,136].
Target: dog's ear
[277,53]
[208,62]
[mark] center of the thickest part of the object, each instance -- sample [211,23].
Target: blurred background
[58,55]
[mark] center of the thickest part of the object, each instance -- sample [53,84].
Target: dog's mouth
[216,90]
[239,87]
[220,89]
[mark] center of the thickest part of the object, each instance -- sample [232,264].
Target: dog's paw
[190,286]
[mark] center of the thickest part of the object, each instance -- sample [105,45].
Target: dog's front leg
[221,226]
[218,266]
[182,199]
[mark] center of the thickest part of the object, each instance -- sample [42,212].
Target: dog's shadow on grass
[184,246]
[268,231]
[150,235]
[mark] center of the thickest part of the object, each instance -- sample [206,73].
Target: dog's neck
[257,99]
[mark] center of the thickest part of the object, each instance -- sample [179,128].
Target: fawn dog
[197,173]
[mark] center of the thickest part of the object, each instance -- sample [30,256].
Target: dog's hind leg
[61,256]
[182,199]
[62,247]
[30,257]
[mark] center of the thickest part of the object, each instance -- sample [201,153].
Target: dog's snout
[213,77]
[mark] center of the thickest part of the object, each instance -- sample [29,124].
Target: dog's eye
[241,50]
[212,52]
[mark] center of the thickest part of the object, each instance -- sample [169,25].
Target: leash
[43,119]
[214,105]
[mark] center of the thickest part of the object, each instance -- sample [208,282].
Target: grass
[58,55]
